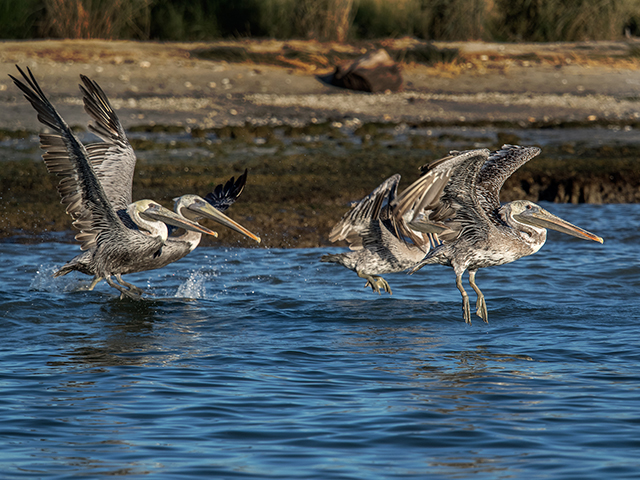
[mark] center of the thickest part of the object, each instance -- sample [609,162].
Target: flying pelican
[181,241]
[475,230]
[381,242]
[117,247]
[114,161]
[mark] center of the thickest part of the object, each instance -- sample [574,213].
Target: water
[268,364]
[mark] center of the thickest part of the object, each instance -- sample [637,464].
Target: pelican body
[181,239]
[116,246]
[379,244]
[380,236]
[474,229]
[118,236]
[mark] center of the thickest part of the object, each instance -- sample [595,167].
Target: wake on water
[194,287]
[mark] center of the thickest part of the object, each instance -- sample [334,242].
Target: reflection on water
[268,363]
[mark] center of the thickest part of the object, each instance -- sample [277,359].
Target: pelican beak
[544,219]
[158,212]
[203,208]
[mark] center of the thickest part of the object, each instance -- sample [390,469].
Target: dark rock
[373,72]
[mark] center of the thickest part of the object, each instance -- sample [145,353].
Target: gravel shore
[168,84]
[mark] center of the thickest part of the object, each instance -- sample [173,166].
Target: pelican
[475,230]
[380,243]
[181,240]
[114,161]
[117,246]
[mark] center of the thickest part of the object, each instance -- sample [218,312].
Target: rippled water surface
[268,364]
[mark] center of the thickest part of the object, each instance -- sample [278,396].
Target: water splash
[194,286]
[44,281]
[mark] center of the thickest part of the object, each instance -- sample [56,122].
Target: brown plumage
[474,229]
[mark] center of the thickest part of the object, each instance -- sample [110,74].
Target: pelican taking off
[181,241]
[382,242]
[475,230]
[114,161]
[116,246]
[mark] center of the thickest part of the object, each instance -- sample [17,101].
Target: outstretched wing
[113,159]
[223,196]
[422,194]
[443,201]
[80,190]
[355,225]
[499,166]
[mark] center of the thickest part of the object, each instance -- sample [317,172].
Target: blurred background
[324,20]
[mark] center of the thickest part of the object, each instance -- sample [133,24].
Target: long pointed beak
[158,212]
[545,219]
[205,209]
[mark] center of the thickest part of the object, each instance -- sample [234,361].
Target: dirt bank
[192,84]
[311,148]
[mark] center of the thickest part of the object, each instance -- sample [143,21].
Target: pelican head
[150,211]
[534,215]
[195,208]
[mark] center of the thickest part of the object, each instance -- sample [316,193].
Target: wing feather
[80,190]
[443,200]
[113,159]
[225,195]
[356,222]
[500,165]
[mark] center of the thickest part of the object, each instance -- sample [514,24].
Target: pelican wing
[443,201]
[80,190]
[499,166]
[425,192]
[355,225]
[223,196]
[113,160]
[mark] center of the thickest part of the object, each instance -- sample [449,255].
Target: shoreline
[312,148]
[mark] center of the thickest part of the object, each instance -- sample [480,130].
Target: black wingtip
[224,195]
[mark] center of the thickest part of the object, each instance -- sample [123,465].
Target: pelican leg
[123,291]
[466,309]
[375,282]
[481,305]
[130,286]
[94,282]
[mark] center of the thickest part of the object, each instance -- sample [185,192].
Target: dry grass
[107,19]
[325,20]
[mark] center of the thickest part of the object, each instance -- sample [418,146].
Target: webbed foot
[376,283]
[132,288]
[466,310]
[481,309]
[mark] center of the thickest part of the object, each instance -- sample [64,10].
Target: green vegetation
[337,20]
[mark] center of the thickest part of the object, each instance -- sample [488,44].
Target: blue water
[263,363]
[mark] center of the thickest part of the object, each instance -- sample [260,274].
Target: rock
[373,72]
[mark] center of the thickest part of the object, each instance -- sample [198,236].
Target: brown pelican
[96,190]
[116,246]
[181,241]
[380,243]
[114,161]
[475,230]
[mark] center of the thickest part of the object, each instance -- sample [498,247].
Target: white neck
[534,237]
[153,228]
